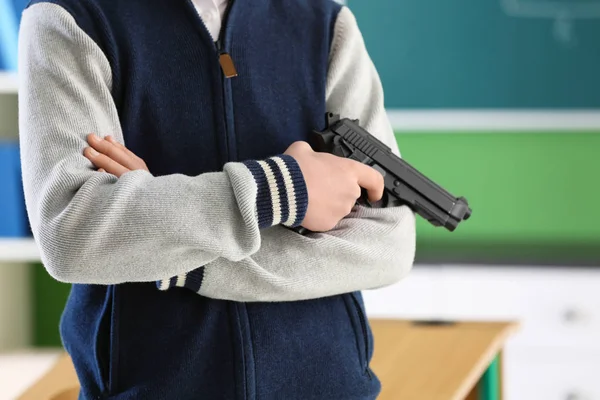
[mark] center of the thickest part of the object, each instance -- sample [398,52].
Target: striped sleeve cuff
[282,197]
[191,280]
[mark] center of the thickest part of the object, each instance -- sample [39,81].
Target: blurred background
[497,101]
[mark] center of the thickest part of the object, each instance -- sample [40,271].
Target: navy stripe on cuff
[264,203]
[193,279]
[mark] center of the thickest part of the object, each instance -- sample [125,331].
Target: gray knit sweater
[95,228]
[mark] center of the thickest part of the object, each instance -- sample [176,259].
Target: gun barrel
[403,181]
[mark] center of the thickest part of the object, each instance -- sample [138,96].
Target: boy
[173,222]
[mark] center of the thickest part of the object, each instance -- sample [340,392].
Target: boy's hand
[110,156]
[334,184]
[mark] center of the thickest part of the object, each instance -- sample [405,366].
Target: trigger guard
[385,202]
[363,200]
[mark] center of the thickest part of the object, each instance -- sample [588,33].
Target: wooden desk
[413,362]
[439,362]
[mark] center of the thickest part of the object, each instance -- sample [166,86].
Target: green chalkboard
[524,187]
[484,53]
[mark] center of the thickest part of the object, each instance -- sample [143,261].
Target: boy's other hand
[110,156]
[333,184]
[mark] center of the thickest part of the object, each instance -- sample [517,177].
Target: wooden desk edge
[505,330]
[511,327]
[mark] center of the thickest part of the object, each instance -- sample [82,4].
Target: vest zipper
[229,71]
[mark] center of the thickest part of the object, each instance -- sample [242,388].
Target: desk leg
[501,375]
[490,382]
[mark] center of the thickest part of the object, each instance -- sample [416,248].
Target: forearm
[371,248]
[354,88]
[93,227]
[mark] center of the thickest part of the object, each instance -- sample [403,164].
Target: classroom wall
[525,187]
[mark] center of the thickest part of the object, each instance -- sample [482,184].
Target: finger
[371,180]
[101,170]
[103,161]
[111,139]
[112,151]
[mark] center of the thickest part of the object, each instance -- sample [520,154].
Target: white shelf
[18,250]
[494,121]
[8,83]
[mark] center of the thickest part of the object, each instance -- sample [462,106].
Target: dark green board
[473,54]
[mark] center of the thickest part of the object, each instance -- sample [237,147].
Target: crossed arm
[93,227]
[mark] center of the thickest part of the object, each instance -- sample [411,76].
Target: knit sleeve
[368,249]
[354,89]
[92,227]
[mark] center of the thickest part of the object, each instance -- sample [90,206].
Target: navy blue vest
[182,115]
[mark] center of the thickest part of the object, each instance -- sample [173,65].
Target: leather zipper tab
[227,65]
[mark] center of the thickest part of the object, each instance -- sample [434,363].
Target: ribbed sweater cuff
[282,197]
[191,280]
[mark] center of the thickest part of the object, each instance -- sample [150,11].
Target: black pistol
[404,185]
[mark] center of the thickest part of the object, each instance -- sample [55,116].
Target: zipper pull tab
[227,65]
